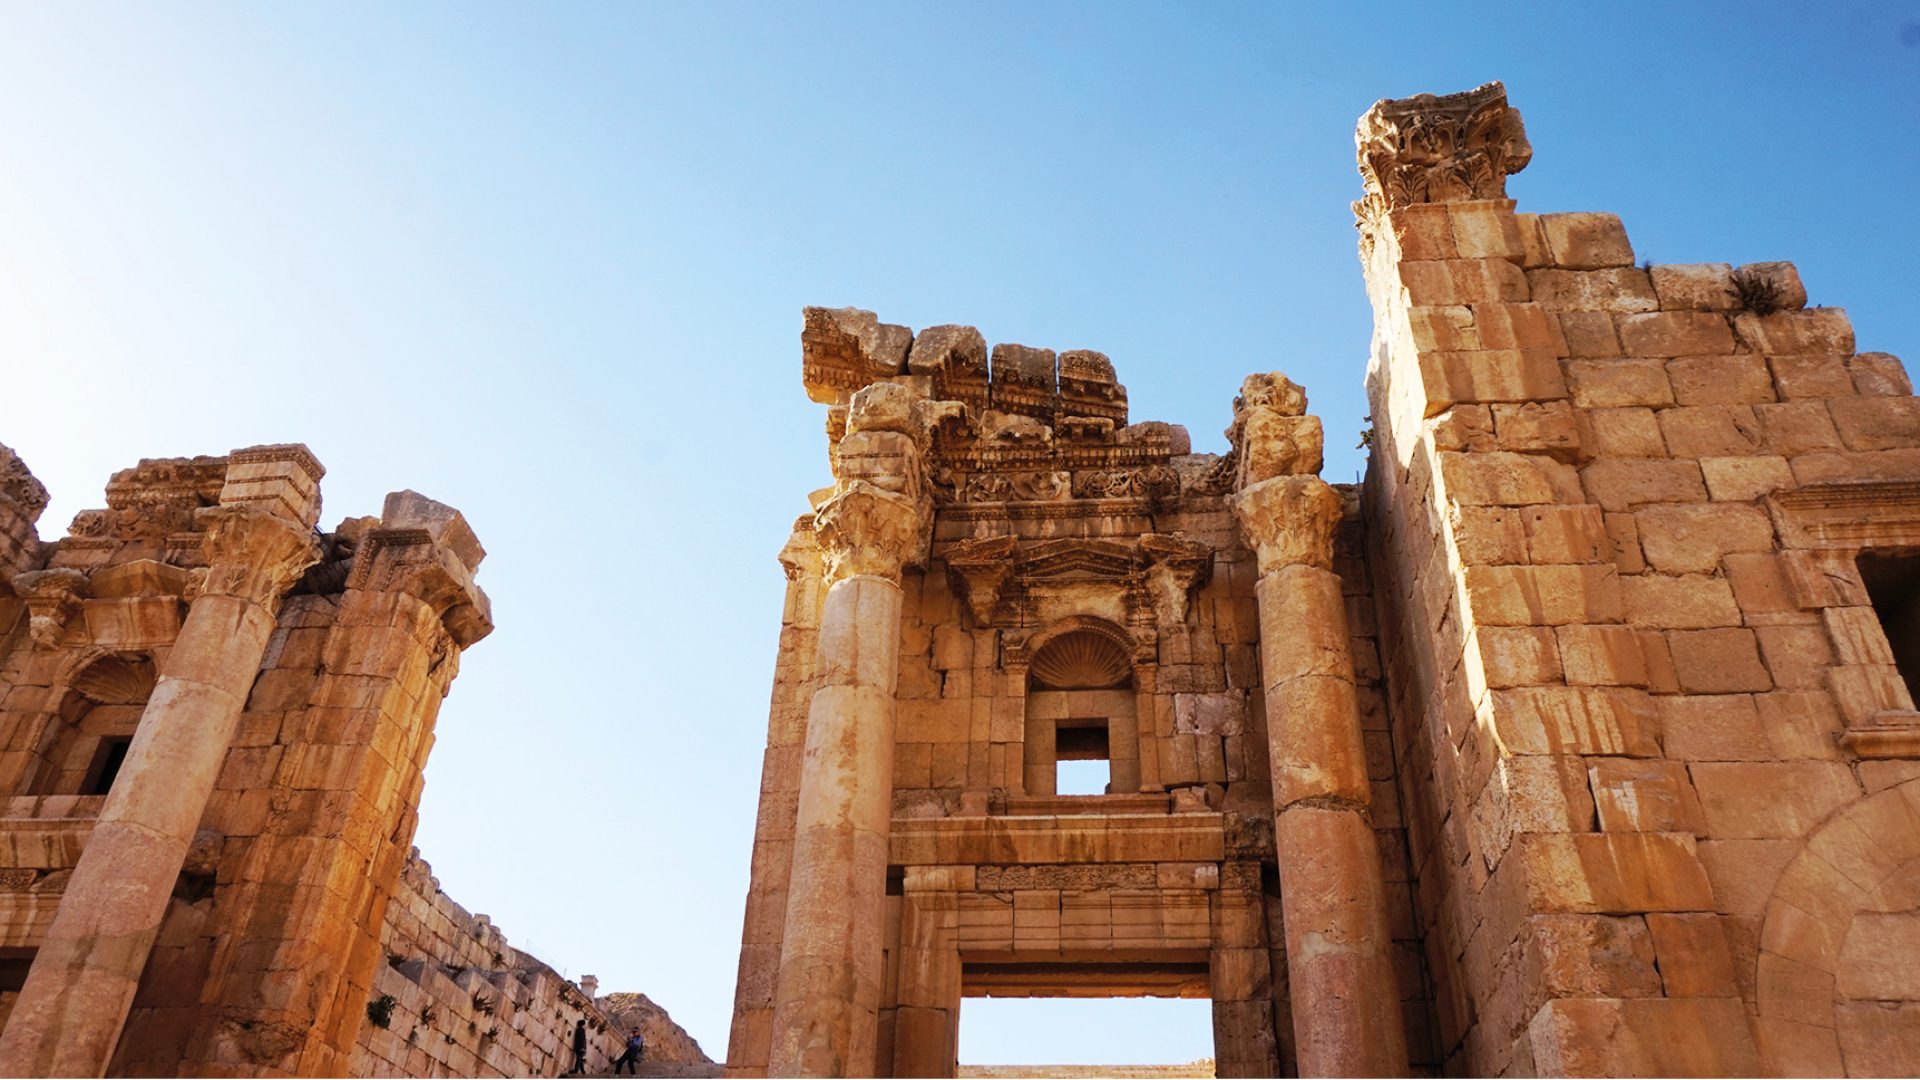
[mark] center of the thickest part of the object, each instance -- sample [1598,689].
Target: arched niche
[1080,704]
[1837,991]
[89,736]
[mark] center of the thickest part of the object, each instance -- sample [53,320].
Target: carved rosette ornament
[1289,520]
[1428,149]
[53,599]
[251,554]
[864,530]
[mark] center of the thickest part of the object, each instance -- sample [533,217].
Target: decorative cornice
[53,599]
[414,561]
[1893,734]
[17,485]
[1849,516]
[1428,149]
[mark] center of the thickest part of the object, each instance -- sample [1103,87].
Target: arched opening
[95,726]
[1082,737]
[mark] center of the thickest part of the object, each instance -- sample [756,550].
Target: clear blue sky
[545,263]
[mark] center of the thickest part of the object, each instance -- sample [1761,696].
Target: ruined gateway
[1579,739]
[215,720]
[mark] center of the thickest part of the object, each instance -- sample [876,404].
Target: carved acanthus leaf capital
[252,554]
[864,529]
[53,599]
[1290,520]
[1428,149]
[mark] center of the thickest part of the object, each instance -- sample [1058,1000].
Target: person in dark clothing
[635,1047]
[579,1048]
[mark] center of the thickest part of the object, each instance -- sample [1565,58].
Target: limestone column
[1346,1006]
[76,996]
[827,996]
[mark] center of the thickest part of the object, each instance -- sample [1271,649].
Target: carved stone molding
[53,598]
[1154,577]
[800,556]
[1428,149]
[1892,734]
[1290,520]
[251,554]
[413,561]
[981,568]
[18,486]
[1176,566]
[1849,517]
[866,530]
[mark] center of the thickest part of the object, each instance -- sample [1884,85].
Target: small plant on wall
[380,1010]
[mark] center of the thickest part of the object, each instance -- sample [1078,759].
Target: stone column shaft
[76,996]
[1346,1004]
[828,995]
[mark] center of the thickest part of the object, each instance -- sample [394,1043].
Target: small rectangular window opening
[1084,761]
[106,764]
[1893,585]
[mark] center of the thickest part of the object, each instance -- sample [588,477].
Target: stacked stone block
[464,1002]
[1617,716]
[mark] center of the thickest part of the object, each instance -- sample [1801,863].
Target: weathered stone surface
[1548,749]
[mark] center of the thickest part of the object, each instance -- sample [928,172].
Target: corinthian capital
[1289,520]
[252,554]
[1427,149]
[864,529]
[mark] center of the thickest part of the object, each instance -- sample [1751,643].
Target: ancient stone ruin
[213,720]
[1579,739]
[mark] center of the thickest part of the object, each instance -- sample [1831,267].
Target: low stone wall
[457,1000]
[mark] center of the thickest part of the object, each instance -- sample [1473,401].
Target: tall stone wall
[1656,754]
[453,998]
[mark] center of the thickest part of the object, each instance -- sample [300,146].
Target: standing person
[579,1048]
[635,1047]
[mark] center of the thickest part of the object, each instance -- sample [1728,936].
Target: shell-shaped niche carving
[116,680]
[1081,660]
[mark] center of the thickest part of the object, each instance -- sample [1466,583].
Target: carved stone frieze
[1158,484]
[1014,487]
[53,598]
[1290,520]
[18,485]
[844,349]
[1150,579]
[1429,149]
[155,500]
